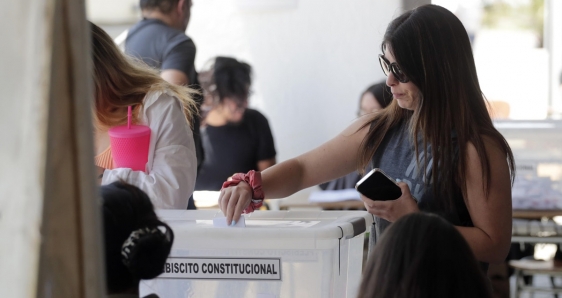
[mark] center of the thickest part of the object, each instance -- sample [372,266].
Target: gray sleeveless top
[396,157]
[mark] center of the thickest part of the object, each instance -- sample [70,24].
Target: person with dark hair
[235,137]
[137,243]
[167,109]
[436,138]
[422,255]
[375,98]
[159,40]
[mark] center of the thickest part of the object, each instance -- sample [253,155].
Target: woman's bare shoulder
[493,150]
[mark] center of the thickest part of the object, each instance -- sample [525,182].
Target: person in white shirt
[120,82]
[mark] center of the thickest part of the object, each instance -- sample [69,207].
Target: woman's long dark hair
[432,48]
[423,256]
[127,209]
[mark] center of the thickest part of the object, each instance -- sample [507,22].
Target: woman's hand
[233,200]
[394,209]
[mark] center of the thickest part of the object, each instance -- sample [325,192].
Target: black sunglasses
[393,67]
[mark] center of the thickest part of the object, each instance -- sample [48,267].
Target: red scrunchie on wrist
[253,178]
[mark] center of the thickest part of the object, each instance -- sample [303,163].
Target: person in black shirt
[159,40]
[235,138]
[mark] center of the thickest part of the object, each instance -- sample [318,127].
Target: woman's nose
[391,80]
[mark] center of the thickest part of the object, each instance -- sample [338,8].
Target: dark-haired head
[164,6]
[376,97]
[422,255]
[227,87]
[176,12]
[231,78]
[137,243]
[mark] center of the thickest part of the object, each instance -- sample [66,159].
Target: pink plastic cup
[129,146]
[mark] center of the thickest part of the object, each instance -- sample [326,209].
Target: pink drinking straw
[129,115]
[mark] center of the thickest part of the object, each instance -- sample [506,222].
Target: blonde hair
[121,81]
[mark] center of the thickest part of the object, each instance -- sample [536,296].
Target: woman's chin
[405,104]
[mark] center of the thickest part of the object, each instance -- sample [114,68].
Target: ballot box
[278,254]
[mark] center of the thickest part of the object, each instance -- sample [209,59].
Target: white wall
[311,59]
[113,11]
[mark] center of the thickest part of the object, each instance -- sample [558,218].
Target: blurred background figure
[235,138]
[159,40]
[375,98]
[423,255]
[167,109]
[498,109]
[137,243]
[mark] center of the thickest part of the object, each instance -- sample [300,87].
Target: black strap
[339,251]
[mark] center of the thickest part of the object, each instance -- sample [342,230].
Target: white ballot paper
[220,222]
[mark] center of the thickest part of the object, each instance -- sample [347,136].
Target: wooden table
[536,239]
[536,214]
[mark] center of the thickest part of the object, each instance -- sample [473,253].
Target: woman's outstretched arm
[331,160]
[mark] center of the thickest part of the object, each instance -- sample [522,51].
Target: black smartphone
[377,186]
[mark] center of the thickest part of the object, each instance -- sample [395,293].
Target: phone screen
[377,186]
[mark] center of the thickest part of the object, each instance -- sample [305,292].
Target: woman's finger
[377,208]
[404,187]
[219,202]
[223,200]
[240,206]
[373,203]
[365,199]
[230,208]
[375,211]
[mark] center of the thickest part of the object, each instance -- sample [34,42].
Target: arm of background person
[264,164]
[174,76]
[490,238]
[178,63]
[266,145]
